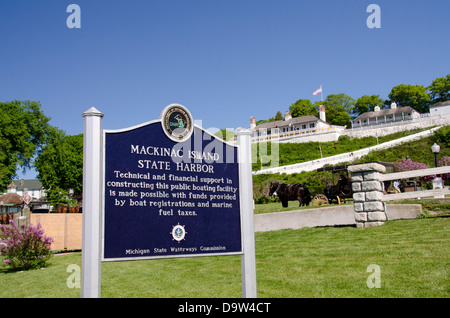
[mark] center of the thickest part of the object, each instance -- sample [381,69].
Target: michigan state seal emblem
[178,232]
[177,122]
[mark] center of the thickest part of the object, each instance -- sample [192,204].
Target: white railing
[413,174]
[277,136]
[423,118]
[383,123]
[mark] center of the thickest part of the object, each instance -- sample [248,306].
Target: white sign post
[92,203]
[248,262]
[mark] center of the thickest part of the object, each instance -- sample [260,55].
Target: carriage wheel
[334,199]
[320,199]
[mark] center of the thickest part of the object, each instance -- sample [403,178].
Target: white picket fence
[412,174]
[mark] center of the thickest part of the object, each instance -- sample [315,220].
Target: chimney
[322,113]
[287,116]
[377,108]
[252,122]
[393,105]
[21,182]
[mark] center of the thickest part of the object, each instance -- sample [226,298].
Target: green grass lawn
[413,257]
[292,206]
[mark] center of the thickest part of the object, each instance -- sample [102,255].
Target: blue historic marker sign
[171,189]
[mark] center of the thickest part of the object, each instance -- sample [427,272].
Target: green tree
[60,167]
[303,107]
[415,96]
[279,116]
[367,103]
[338,108]
[440,89]
[262,121]
[24,129]
[225,134]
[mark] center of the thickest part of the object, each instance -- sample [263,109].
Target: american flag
[317,91]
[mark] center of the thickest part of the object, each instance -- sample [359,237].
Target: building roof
[33,184]
[386,112]
[11,198]
[289,122]
[444,103]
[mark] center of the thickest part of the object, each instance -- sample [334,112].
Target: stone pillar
[367,188]
[26,215]
[22,218]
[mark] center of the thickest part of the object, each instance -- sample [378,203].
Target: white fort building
[379,122]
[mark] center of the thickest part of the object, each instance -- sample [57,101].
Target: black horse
[287,192]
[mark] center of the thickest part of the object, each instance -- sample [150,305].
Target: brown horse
[287,192]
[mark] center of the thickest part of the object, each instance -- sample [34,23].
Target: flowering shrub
[24,247]
[445,161]
[408,165]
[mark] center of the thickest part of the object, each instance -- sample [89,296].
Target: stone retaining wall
[342,215]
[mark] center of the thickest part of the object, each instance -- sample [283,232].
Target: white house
[440,108]
[33,187]
[289,126]
[313,129]
[381,116]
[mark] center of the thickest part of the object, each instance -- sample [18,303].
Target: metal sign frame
[93,204]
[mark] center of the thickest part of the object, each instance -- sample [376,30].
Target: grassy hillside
[418,151]
[291,153]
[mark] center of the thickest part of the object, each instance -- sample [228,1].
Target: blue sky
[224,60]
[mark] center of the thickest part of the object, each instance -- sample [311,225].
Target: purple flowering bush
[24,247]
[408,165]
[445,161]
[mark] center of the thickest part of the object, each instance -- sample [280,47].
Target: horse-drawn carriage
[336,193]
[340,191]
